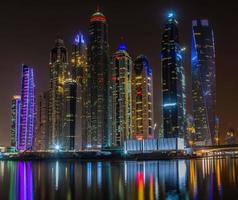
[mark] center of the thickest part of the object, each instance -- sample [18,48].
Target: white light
[57,147]
[183,49]
[169,104]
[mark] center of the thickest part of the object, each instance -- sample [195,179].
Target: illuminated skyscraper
[70,91]
[142,99]
[121,96]
[100,78]
[58,73]
[41,137]
[203,82]
[80,71]
[15,123]
[173,82]
[27,118]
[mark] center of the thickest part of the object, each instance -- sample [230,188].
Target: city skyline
[144,50]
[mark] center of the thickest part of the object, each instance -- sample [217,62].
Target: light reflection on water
[143,180]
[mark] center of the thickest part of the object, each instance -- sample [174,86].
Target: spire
[98,8]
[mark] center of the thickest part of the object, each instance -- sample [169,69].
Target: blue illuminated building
[173,81]
[203,82]
[27,118]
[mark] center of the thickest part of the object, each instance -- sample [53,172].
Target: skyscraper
[80,72]
[203,81]
[15,123]
[173,81]
[41,137]
[70,91]
[121,96]
[58,73]
[27,118]
[100,77]
[142,99]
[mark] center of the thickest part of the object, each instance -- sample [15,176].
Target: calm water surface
[145,180]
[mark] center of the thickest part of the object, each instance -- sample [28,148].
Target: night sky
[28,29]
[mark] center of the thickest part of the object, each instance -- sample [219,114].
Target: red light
[97,18]
[114,78]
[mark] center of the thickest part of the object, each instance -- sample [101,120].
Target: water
[182,179]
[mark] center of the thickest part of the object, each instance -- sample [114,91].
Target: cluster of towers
[97,100]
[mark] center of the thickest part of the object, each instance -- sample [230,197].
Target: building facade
[100,81]
[142,99]
[70,92]
[80,72]
[58,74]
[27,118]
[203,82]
[41,138]
[121,96]
[15,120]
[173,82]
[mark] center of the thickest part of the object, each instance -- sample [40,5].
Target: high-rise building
[27,118]
[173,81]
[15,120]
[142,99]
[121,96]
[41,138]
[80,72]
[203,81]
[70,91]
[100,81]
[58,73]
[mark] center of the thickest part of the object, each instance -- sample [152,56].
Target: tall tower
[173,81]
[15,120]
[27,118]
[100,134]
[121,96]
[142,99]
[58,72]
[203,81]
[70,91]
[80,71]
[41,138]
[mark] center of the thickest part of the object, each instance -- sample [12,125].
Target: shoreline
[96,156]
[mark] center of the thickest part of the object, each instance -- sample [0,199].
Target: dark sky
[28,29]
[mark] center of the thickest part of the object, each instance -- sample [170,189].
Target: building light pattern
[70,91]
[80,73]
[58,74]
[15,120]
[100,81]
[27,118]
[121,96]
[142,99]
[203,82]
[173,81]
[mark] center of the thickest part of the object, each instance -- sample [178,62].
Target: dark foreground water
[183,179]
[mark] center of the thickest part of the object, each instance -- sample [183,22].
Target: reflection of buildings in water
[193,179]
[147,179]
[24,181]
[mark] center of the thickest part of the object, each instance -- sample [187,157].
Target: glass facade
[27,118]
[100,81]
[121,96]
[58,74]
[203,82]
[173,82]
[142,99]
[80,72]
[70,92]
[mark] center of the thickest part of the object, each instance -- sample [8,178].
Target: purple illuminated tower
[27,123]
